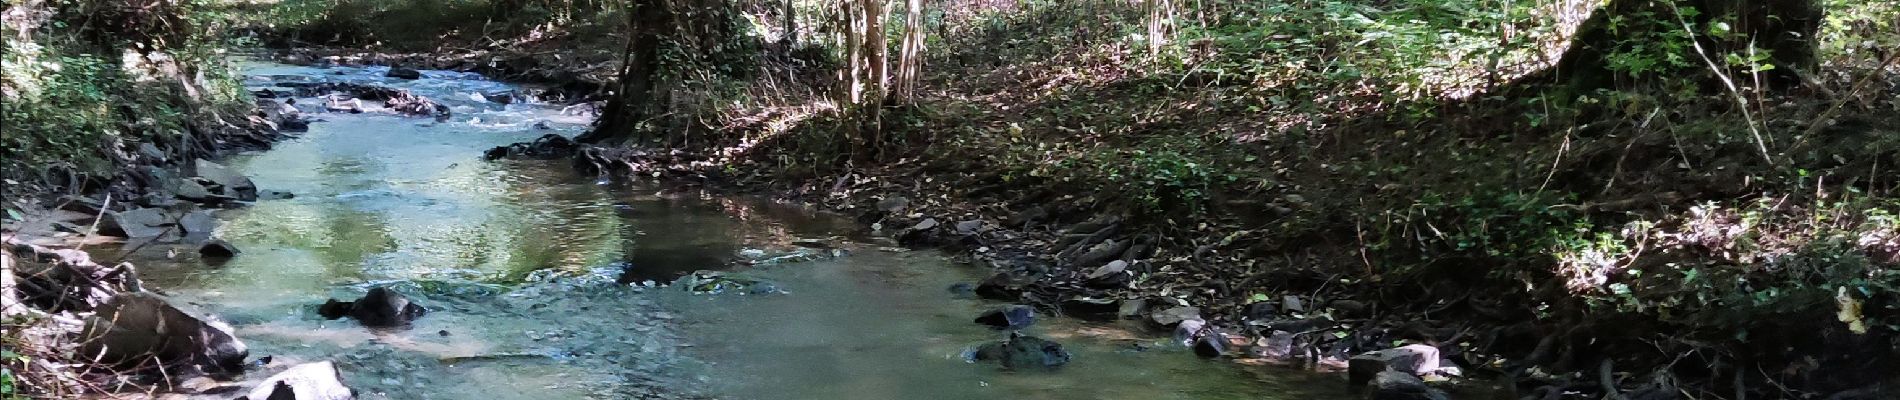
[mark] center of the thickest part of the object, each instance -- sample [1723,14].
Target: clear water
[524,265]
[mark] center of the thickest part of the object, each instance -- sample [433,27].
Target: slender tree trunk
[910,61]
[630,104]
[791,24]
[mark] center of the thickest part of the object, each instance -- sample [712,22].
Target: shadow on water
[536,279]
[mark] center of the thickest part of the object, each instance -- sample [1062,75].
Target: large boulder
[134,223]
[380,308]
[312,381]
[1022,352]
[1395,385]
[228,181]
[218,249]
[140,327]
[1413,359]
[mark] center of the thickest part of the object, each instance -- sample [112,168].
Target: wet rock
[230,182]
[1022,352]
[1133,309]
[1278,345]
[715,282]
[1011,317]
[504,97]
[969,227]
[217,249]
[1413,360]
[134,328]
[404,73]
[1212,343]
[312,381]
[151,151]
[275,195]
[134,223]
[548,146]
[380,308]
[1186,331]
[1394,385]
[197,223]
[1174,316]
[1110,275]
[1091,308]
[189,189]
[542,125]
[1002,286]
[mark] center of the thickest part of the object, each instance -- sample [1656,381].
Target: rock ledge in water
[380,308]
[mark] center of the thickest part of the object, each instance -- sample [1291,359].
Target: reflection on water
[525,266]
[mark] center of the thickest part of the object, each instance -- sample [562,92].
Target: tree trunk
[791,25]
[1785,29]
[910,61]
[619,121]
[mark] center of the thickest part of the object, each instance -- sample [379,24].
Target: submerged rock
[404,73]
[1021,352]
[1011,317]
[135,328]
[312,381]
[714,282]
[1413,360]
[1394,385]
[380,308]
[548,146]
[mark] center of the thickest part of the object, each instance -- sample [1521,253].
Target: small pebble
[444,332]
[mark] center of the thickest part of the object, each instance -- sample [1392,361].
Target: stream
[545,284]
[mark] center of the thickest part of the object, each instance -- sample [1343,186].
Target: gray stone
[1292,304]
[134,223]
[312,381]
[233,184]
[189,189]
[1413,359]
[198,225]
[969,227]
[1173,316]
[1012,317]
[1022,352]
[150,151]
[137,327]
[925,225]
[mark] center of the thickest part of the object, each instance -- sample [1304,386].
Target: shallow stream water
[537,279]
